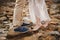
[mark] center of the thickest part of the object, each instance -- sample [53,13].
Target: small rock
[3,18]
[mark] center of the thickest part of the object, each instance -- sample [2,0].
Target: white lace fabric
[37,8]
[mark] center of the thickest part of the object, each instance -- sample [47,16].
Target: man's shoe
[22,29]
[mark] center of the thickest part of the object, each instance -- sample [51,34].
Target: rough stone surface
[6,14]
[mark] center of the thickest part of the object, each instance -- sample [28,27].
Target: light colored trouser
[18,11]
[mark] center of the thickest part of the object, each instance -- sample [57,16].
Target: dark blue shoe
[21,29]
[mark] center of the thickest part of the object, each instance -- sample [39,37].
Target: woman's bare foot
[37,25]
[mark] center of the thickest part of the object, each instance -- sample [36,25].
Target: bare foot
[37,25]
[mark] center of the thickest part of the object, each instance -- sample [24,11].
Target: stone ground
[52,32]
